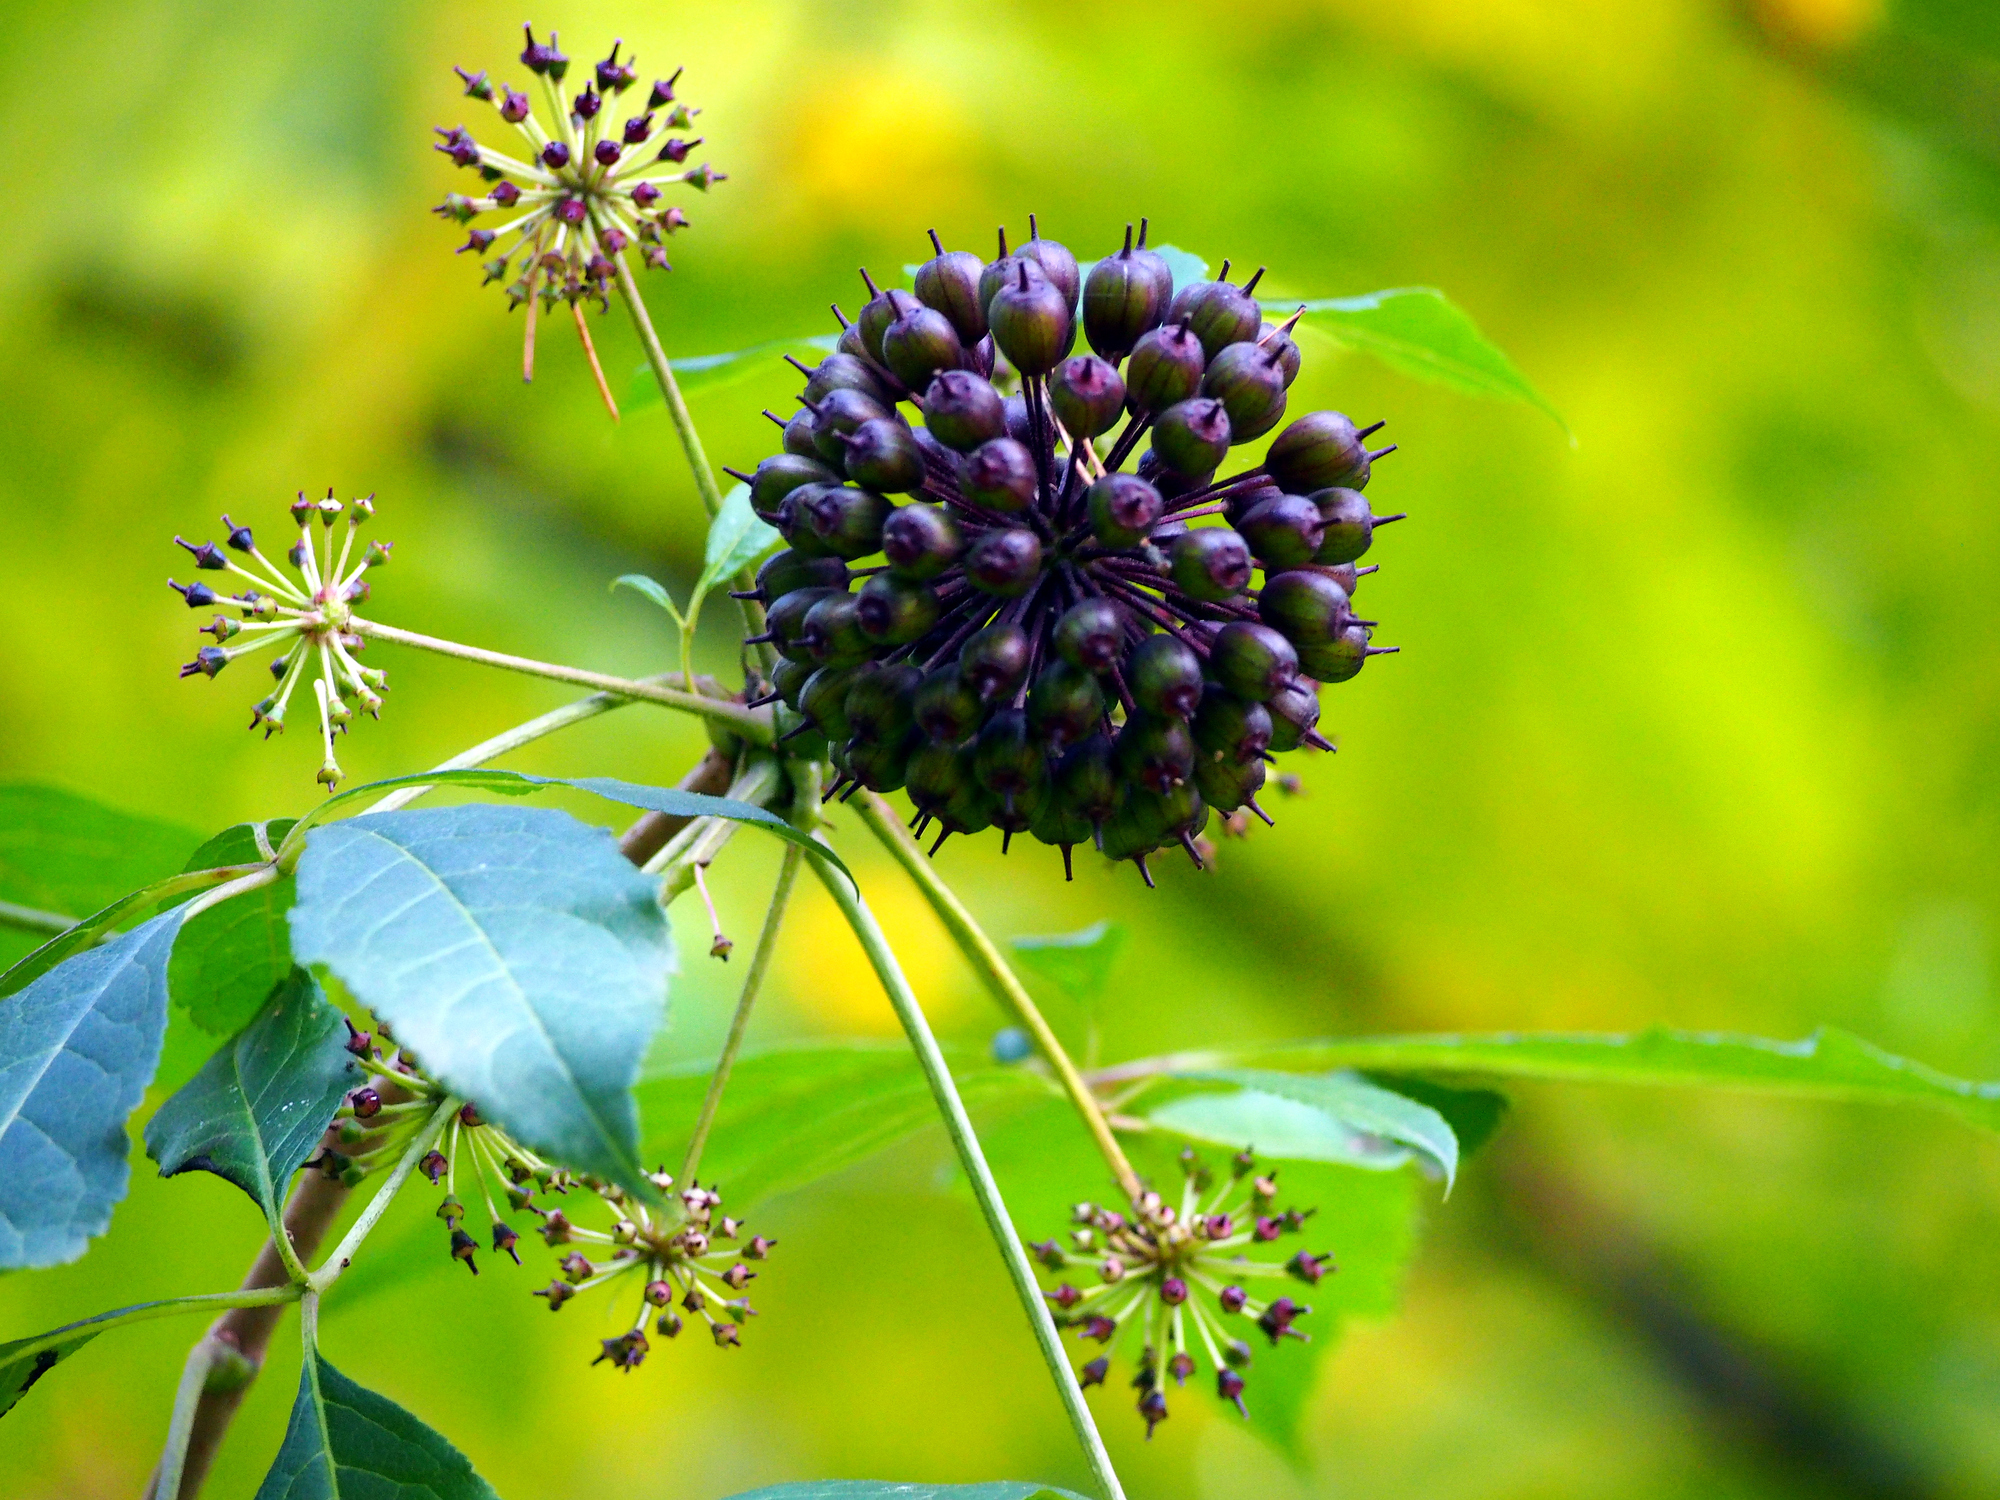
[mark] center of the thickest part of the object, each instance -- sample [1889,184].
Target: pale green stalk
[27,919]
[331,1268]
[166,1307]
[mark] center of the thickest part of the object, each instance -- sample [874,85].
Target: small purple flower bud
[239,536]
[1173,1291]
[572,211]
[726,1336]
[1064,1296]
[278,669]
[672,219]
[694,1301]
[659,1293]
[1153,1407]
[615,241]
[758,1248]
[1268,1229]
[587,104]
[198,595]
[469,1116]
[207,555]
[360,1043]
[366,1103]
[456,206]
[656,259]
[601,269]
[558,1292]
[637,129]
[505,194]
[504,1240]
[1229,1386]
[1309,1268]
[614,76]
[476,86]
[555,1228]
[1113,1269]
[676,151]
[1232,1299]
[1219,1226]
[737,1275]
[663,91]
[514,106]
[1094,1372]
[534,56]
[1180,1367]
[1266,1186]
[1049,1253]
[681,118]
[1100,1329]
[668,1324]
[645,195]
[607,152]
[704,175]
[433,1166]
[478,239]
[575,1267]
[207,662]
[555,156]
[463,1246]
[451,1210]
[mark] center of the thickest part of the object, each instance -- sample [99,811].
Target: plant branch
[343,1254]
[166,1307]
[753,724]
[985,958]
[984,1188]
[187,1400]
[27,919]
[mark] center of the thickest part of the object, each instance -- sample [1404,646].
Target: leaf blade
[258,1106]
[737,537]
[514,949]
[1078,963]
[1356,1104]
[708,372]
[229,958]
[652,589]
[879,1489]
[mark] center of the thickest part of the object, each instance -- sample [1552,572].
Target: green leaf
[881,1489]
[257,1108]
[347,1443]
[737,537]
[654,590]
[1351,1104]
[20,1368]
[709,372]
[515,950]
[794,1114]
[1421,332]
[1077,963]
[69,856]
[228,959]
[1277,1128]
[1473,1114]
[78,1046]
[663,799]
[1829,1064]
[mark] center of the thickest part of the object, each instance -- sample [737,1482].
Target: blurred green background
[1697,722]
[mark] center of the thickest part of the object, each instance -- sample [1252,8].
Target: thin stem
[343,1253]
[509,740]
[750,723]
[27,919]
[263,875]
[985,958]
[760,961]
[590,353]
[145,1312]
[984,1188]
[180,1427]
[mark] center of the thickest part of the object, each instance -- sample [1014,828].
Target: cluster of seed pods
[1050,644]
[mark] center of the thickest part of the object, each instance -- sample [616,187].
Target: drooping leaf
[1353,1104]
[78,1046]
[20,1368]
[1077,963]
[229,958]
[1421,332]
[1829,1064]
[794,1114]
[881,1489]
[68,855]
[515,950]
[257,1108]
[1276,1128]
[663,799]
[709,372]
[653,589]
[345,1442]
[737,537]
[1473,1114]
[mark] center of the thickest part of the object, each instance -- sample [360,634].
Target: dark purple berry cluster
[1051,644]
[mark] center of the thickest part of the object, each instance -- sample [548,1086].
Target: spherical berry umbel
[1019,584]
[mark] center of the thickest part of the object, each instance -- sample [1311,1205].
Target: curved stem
[343,1253]
[750,723]
[27,919]
[509,740]
[985,958]
[984,1188]
[145,1312]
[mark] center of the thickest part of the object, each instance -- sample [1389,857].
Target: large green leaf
[1421,332]
[229,958]
[515,950]
[68,855]
[347,1443]
[78,1046]
[794,1114]
[737,537]
[882,1489]
[1275,1127]
[257,1108]
[24,1361]
[663,799]
[1829,1064]
[1077,963]
[1350,1105]
[708,372]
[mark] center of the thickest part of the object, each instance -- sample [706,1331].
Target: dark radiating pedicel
[1053,645]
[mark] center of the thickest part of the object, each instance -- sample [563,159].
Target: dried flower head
[309,617]
[1170,1281]
[588,186]
[1051,645]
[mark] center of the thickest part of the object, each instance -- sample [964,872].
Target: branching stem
[343,1253]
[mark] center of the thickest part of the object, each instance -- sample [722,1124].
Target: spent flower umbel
[307,615]
[1052,645]
[591,183]
[1170,1281]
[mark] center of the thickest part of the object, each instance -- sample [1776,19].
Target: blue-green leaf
[515,950]
[737,537]
[257,1108]
[1077,963]
[1349,1103]
[1276,1127]
[708,372]
[78,1046]
[345,1442]
[1421,332]
[229,958]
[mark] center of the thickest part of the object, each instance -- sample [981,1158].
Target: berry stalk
[993,970]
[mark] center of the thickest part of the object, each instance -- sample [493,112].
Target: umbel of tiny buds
[584,187]
[307,614]
[1051,645]
[1170,1281]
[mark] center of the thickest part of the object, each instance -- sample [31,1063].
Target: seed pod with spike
[963,410]
[919,344]
[1031,321]
[1249,381]
[1165,676]
[1211,563]
[1123,509]
[1219,314]
[1088,395]
[1001,475]
[1252,661]
[1284,531]
[1193,436]
[921,541]
[883,455]
[949,282]
[1166,367]
[1124,298]
[1318,451]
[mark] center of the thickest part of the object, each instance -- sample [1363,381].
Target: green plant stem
[510,740]
[984,1188]
[985,958]
[166,1307]
[27,919]
[180,1427]
[760,962]
[753,725]
[331,1268]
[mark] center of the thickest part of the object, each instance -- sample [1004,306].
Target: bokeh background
[1697,721]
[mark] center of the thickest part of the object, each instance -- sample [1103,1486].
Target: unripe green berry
[1249,381]
[1211,563]
[1347,525]
[947,707]
[778,476]
[845,372]
[1000,475]
[832,633]
[1031,321]
[1338,659]
[1004,562]
[1233,728]
[881,706]
[994,660]
[1219,314]
[1164,675]
[919,344]
[1307,605]
[1088,395]
[1124,298]
[963,410]
[921,541]
[1065,705]
[949,282]
[1165,368]
[1284,531]
[883,455]
[1123,509]
[1294,711]
[1252,661]
[1091,634]
[1227,784]
[847,521]
[837,416]
[892,611]
[1318,451]
[785,572]
[1158,753]
[1192,436]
